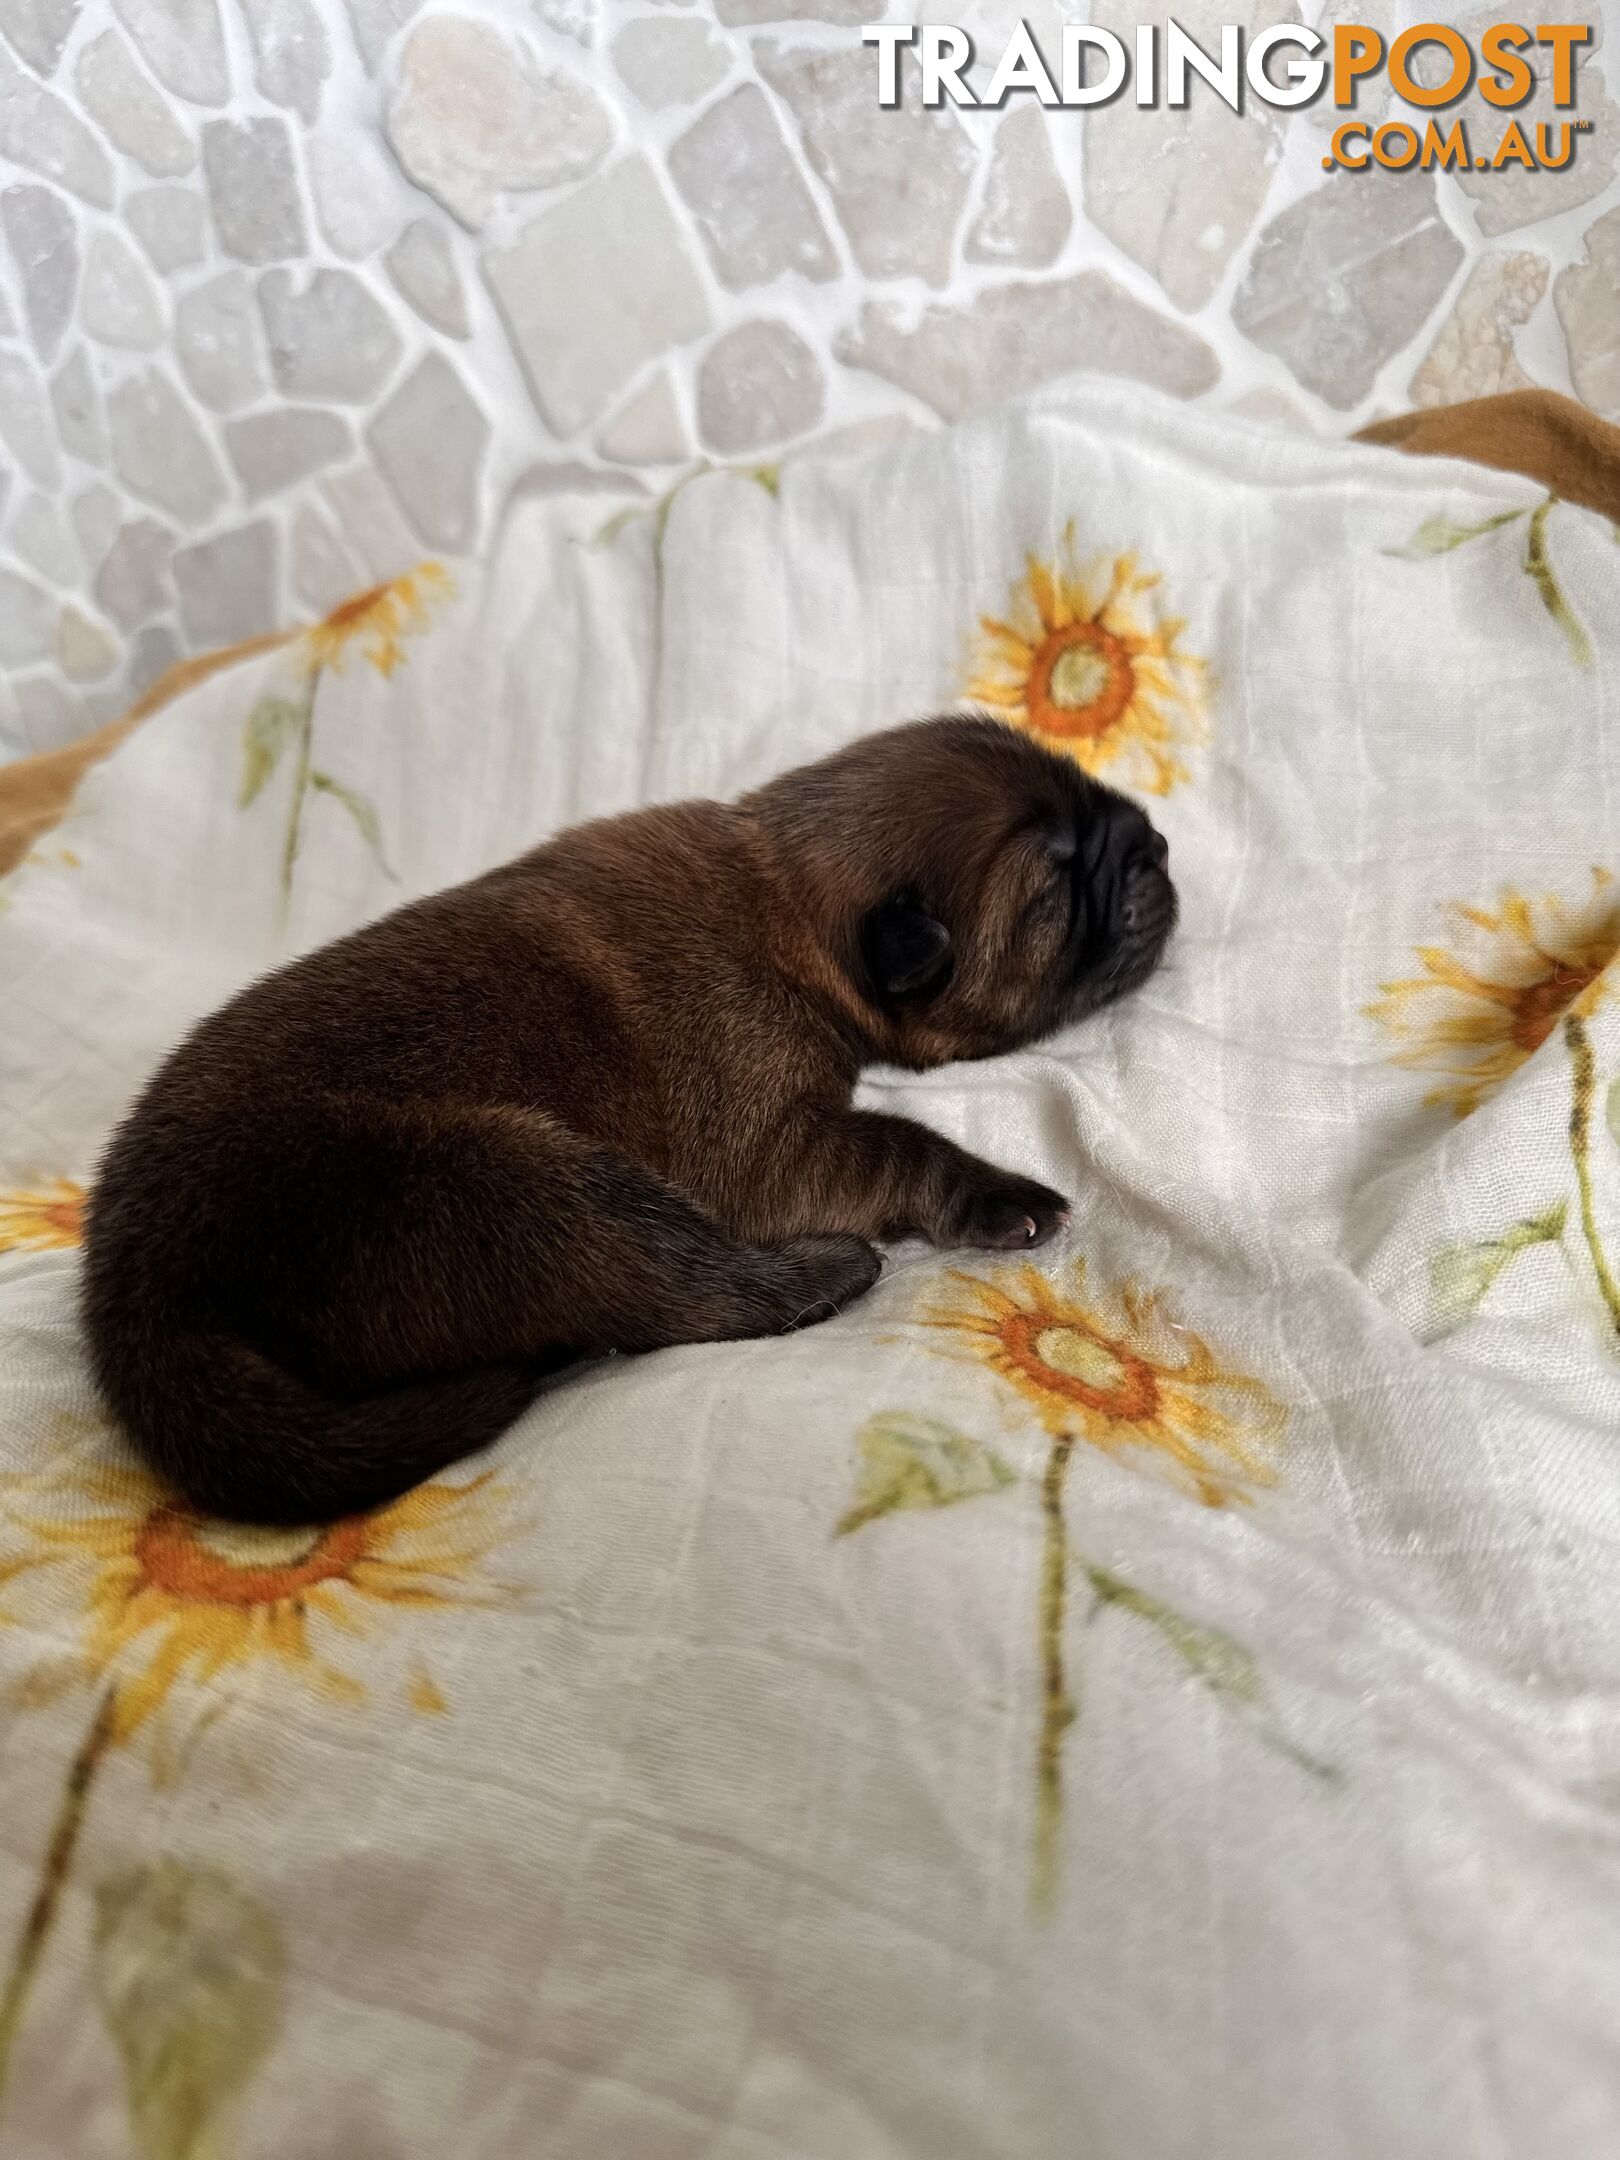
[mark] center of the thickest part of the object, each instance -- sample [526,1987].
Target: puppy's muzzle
[1147,899]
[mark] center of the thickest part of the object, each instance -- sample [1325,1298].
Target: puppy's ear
[905,950]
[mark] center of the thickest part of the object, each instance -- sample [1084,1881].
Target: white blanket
[1158,1704]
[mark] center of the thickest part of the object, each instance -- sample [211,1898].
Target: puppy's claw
[1010,1215]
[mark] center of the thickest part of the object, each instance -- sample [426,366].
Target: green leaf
[359,809]
[1613,1112]
[1214,1659]
[1462,1275]
[1538,566]
[271,725]
[1438,536]
[189,1971]
[915,1462]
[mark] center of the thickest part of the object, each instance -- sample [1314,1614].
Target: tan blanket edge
[1538,433]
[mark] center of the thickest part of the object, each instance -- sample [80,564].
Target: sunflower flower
[376,622]
[1115,1372]
[1477,1013]
[50,1219]
[169,1595]
[1081,664]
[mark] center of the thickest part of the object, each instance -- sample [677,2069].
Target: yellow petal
[423,1694]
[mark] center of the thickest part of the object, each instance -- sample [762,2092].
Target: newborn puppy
[598,1099]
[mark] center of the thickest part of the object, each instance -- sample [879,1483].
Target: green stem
[53,1876]
[295,816]
[1057,1706]
[1580,1146]
[1538,562]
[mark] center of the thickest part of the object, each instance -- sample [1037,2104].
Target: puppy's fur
[598,1099]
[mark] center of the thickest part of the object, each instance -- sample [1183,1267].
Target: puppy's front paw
[1004,1214]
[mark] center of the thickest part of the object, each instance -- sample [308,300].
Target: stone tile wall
[294,291]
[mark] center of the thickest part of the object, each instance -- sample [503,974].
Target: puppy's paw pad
[832,1272]
[1013,1215]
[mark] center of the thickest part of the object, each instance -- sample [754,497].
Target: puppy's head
[978,890]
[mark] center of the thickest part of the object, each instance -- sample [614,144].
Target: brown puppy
[598,1099]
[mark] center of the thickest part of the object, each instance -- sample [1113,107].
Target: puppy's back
[301,1235]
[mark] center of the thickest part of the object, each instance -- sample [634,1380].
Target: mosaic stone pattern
[293,292]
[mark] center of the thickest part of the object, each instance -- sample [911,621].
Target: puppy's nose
[1145,888]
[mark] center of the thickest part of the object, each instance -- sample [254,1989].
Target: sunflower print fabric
[1440,535]
[172,1600]
[1485,1002]
[1124,1698]
[1113,1373]
[1087,662]
[374,626]
[1543,968]
[49,1219]
[174,1611]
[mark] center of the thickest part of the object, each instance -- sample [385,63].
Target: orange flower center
[1538,1008]
[1080,682]
[348,614]
[64,1217]
[1092,1370]
[215,1563]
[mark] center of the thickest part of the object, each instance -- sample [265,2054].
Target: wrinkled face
[1023,894]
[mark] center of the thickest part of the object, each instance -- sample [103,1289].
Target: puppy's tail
[244,1438]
